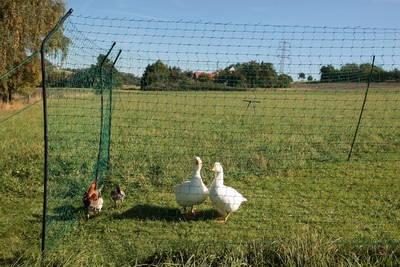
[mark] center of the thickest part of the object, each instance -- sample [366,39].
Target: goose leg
[226,218]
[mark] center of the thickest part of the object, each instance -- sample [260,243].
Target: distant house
[200,74]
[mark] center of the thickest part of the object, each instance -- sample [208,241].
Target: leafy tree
[161,76]
[378,74]
[23,25]
[310,78]
[176,75]
[284,81]
[128,79]
[90,77]
[252,75]
[231,78]
[154,73]
[328,73]
[350,68]
[267,75]
[352,72]
[302,75]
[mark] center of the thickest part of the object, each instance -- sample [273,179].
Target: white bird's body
[225,199]
[192,192]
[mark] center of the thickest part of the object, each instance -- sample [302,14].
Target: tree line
[90,77]
[357,73]
[252,74]
[160,76]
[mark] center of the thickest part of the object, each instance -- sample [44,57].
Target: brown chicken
[92,200]
[118,196]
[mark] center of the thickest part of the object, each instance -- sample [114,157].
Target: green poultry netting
[78,94]
[304,120]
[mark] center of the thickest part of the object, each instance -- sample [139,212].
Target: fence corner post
[45,128]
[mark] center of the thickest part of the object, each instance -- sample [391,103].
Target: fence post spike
[362,109]
[102,111]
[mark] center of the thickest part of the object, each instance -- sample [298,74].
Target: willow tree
[23,25]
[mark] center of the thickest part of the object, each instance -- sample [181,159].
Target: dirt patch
[11,106]
[18,103]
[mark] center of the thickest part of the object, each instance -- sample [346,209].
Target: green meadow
[286,151]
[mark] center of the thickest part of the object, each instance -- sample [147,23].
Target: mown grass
[307,204]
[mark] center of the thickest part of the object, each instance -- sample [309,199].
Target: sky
[198,47]
[371,13]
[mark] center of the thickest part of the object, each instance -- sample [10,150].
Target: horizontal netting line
[352,30]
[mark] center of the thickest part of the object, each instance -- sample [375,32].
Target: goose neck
[196,172]
[219,179]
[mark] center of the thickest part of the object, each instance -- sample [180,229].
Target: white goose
[225,199]
[192,192]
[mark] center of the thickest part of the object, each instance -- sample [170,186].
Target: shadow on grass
[66,213]
[158,213]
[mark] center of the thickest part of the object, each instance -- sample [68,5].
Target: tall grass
[306,248]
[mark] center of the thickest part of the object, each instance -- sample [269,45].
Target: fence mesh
[277,105]
[17,90]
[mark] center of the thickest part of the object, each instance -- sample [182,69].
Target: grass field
[287,153]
